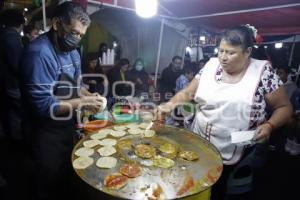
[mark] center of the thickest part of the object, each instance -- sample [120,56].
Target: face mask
[139,67]
[68,42]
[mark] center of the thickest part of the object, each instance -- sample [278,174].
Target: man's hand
[94,103]
[84,92]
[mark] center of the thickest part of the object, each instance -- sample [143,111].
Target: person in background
[260,53]
[201,63]
[139,77]
[102,49]
[289,85]
[119,73]
[292,145]
[184,79]
[225,106]
[95,84]
[170,75]
[179,119]
[49,63]
[11,49]
[30,33]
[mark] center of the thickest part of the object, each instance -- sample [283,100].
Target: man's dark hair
[13,18]
[29,28]
[188,70]
[122,62]
[92,56]
[176,57]
[70,10]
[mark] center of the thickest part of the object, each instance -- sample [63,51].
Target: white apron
[224,108]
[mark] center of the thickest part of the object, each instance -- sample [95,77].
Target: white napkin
[243,137]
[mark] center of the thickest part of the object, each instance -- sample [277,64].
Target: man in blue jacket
[51,91]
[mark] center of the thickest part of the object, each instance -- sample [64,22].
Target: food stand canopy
[271,17]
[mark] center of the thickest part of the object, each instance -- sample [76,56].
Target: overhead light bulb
[146,8]
[115,44]
[278,45]
[255,46]
[216,50]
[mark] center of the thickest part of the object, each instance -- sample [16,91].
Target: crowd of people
[40,83]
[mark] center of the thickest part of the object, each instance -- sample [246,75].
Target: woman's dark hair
[70,10]
[137,61]
[122,62]
[100,50]
[12,18]
[238,36]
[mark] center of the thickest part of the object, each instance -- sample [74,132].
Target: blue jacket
[40,69]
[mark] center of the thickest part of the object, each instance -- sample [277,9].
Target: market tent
[272,17]
[140,37]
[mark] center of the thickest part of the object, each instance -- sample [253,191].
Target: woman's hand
[263,132]
[163,111]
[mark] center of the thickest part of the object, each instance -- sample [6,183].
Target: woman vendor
[232,93]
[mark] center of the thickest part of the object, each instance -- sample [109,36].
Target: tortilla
[115,181]
[131,170]
[144,125]
[163,162]
[101,134]
[82,162]
[108,142]
[90,143]
[168,148]
[106,162]
[106,151]
[145,151]
[135,131]
[84,152]
[149,133]
[188,155]
[132,126]
[120,128]
[124,144]
[118,133]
